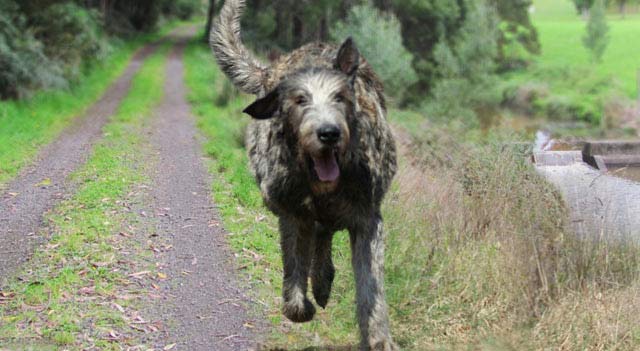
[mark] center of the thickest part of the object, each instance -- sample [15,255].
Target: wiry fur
[246,72]
[301,92]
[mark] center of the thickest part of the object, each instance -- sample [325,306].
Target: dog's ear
[348,57]
[266,107]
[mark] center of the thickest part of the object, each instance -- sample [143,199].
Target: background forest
[468,60]
[49,43]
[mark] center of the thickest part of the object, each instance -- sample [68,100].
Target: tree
[622,6]
[466,82]
[597,37]
[210,13]
[583,6]
[378,36]
[518,37]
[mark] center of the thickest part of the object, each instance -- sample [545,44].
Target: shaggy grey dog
[324,156]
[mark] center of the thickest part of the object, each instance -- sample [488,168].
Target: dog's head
[317,105]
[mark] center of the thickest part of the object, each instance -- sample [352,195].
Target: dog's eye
[339,98]
[301,100]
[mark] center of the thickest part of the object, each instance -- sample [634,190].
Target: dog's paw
[381,345]
[322,287]
[300,312]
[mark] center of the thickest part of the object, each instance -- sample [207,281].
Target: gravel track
[201,307]
[36,190]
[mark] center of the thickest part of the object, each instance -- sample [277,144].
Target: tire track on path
[40,186]
[201,307]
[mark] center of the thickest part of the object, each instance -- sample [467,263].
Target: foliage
[182,9]
[597,37]
[70,34]
[48,43]
[583,6]
[466,83]
[425,24]
[561,94]
[518,37]
[379,39]
[24,63]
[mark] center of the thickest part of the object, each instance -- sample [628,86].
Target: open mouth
[326,167]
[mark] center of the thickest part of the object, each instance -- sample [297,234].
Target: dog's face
[317,105]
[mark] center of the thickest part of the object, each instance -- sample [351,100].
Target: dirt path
[201,307]
[43,184]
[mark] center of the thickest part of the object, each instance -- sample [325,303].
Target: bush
[466,70]
[597,37]
[24,65]
[378,36]
[182,9]
[71,36]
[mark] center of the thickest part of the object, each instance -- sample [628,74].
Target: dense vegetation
[427,27]
[49,44]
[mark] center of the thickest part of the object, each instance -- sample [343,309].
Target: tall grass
[488,256]
[478,251]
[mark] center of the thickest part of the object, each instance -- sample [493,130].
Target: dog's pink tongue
[327,168]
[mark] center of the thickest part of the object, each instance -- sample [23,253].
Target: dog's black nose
[329,134]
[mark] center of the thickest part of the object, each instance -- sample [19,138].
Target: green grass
[561,31]
[562,84]
[65,295]
[25,126]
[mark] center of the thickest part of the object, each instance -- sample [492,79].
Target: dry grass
[479,257]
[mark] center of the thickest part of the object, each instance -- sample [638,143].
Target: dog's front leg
[322,268]
[295,240]
[367,247]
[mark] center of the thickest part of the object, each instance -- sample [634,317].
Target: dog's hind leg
[367,246]
[322,269]
[296,241]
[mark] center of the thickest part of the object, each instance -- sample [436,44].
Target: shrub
[24,64]
[378,36]
[182,9]
[70,34]
[467,70]
[597,37]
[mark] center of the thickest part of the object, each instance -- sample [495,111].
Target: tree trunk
[104,8]
[298,30]
[207,30]
[384,5]
[638,78]
[623,8]
[323,31]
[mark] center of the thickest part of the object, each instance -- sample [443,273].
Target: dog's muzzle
[326,164]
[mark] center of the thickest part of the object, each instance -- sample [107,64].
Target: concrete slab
[602,206]
[602,154]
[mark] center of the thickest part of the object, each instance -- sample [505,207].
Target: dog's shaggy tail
[235,60]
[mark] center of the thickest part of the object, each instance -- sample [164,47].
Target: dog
[323,155]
